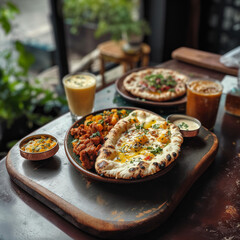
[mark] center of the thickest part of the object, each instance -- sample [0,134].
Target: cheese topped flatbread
[138,146]
[156,84]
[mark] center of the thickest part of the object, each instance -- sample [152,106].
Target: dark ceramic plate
[127,95]
[91,174]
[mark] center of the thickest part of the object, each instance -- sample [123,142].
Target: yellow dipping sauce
[80,91]
[37,145]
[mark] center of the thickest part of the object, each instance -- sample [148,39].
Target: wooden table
[210,210]
[111,51]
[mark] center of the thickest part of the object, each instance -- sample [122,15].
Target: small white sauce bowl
[186,133]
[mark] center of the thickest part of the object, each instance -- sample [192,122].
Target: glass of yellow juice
[80,91]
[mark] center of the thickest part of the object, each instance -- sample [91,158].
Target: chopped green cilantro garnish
[156,126]
[119,112]
[95,134]
[88,123]
[160,82]
[139,126]
[128,111]
[76,140]
[156,151]
[183,125]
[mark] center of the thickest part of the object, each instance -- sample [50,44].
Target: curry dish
[37,145]
[89,137]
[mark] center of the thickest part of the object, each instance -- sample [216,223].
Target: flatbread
[139,145]
[156,84]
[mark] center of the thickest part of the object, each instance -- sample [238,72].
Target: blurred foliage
[111,16]
[7,13]
[20,98]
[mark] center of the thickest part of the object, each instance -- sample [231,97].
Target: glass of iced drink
[80,91]
[203,97]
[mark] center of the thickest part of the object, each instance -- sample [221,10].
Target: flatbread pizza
[156,84]
[139,145]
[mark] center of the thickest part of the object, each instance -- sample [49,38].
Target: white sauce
[185,124]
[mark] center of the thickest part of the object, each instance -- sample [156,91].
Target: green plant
[111,16]
[7,12]
[20,98]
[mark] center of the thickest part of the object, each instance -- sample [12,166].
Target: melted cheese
[142,141]
[149,124]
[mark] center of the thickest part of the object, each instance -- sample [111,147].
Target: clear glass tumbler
[80,91]
[203,97]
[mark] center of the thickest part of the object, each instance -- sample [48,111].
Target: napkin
[232,58]
[229,82]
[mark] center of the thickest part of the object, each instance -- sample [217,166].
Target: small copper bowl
[41,155]
[185,133]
